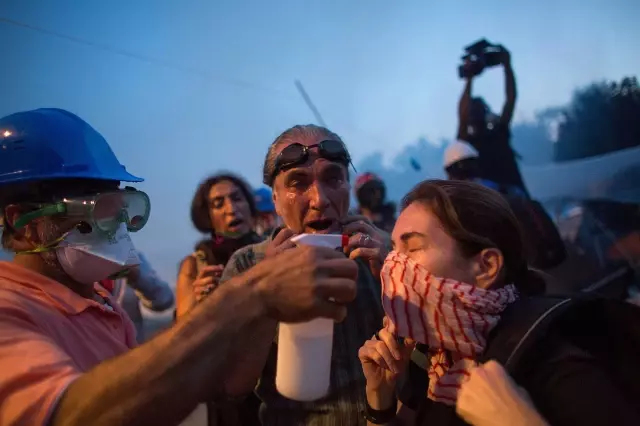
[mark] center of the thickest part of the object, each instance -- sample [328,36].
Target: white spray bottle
[304,350]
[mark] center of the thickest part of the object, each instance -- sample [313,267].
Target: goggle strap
[49,210]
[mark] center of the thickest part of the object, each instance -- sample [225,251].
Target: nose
[318,197]
[230,207]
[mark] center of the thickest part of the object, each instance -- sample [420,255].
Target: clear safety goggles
[104,212]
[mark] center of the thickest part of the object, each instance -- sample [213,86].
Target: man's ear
[11,214]
[28,232]
[275,197]
[489,265]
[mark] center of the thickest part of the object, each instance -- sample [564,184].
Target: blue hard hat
[264,201]
[50,143]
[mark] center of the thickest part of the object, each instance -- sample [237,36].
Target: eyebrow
[409,235]
[222,196]
[296,173]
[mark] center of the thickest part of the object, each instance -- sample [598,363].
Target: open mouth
[321,225]
[235,223]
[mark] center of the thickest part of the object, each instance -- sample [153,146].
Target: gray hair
[292,134]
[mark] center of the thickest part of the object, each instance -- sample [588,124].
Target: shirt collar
[60,296]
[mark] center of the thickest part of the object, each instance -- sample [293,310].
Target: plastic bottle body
[304,359]
[303,368]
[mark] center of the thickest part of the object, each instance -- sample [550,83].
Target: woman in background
[224,208]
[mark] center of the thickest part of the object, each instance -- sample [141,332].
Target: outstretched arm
[510,90]
[463,110]
[162,381]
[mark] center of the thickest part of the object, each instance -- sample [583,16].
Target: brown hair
[200,204]
[291,134]
[477,218]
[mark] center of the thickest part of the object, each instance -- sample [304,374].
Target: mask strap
[47,247]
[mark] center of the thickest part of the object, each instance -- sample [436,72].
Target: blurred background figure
[462,162]
[542,239]
[487,132]
[223,207]
[371,194]
[267,219]
[142,284]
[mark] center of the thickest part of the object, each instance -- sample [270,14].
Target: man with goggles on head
[65,345]
[308,170]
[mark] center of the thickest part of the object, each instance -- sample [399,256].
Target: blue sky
[382,74]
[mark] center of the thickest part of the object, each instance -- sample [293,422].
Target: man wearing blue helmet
[65,353]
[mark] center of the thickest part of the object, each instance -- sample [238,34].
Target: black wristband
[380,417]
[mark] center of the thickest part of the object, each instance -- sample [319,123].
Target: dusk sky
[182,89]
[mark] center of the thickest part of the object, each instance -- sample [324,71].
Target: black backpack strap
[520,326]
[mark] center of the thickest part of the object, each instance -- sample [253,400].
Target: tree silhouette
[601,118]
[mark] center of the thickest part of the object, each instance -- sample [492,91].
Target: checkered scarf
[451,317]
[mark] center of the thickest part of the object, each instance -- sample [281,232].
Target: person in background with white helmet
[490,133]
[65,345]
[462,162]
[371,194]
[542,239]
[267,219]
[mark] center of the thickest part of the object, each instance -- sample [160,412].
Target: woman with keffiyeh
[457,263]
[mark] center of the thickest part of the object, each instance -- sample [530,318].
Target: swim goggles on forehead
[296,154]
[104,211]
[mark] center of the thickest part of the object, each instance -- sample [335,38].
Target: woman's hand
[383,361]
[206,281]
[491,398]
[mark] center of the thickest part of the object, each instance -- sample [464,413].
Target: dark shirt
[497,158]
[346,399]
[567,385]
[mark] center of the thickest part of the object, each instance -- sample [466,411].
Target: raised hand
[383,359]
[206,281]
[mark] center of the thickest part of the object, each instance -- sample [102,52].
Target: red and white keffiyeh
[451,317]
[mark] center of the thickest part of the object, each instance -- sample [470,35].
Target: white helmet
[457,151]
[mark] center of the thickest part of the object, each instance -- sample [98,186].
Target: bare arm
[251,349]
[510,92]
[185,296]
[463,110]
[162,381]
